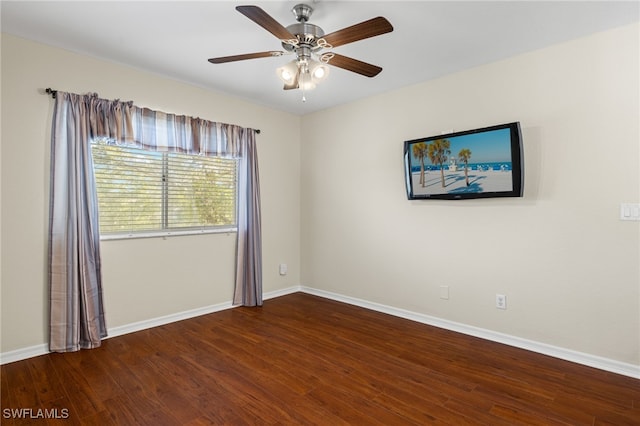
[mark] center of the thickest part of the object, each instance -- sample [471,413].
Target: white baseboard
[37,350]
[23,353]
[166,319]
[543,348]
[283,292]
[594,361]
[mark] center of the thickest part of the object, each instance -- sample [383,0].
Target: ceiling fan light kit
[314,72]
[306,41]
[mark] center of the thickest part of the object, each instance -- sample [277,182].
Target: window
[143,193]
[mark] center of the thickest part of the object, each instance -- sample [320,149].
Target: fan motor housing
[307,35]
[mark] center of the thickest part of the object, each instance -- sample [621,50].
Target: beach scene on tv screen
[472,163]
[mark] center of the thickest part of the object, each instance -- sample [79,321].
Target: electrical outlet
[501,301]
[444,292]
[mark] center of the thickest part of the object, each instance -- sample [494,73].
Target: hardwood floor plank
[302,359]
[46,383]
[519,417]
[22,393]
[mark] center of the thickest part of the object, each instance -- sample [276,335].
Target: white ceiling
[430,39]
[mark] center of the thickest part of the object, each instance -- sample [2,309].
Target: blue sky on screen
[486,147]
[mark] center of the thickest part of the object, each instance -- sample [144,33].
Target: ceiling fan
[308,42]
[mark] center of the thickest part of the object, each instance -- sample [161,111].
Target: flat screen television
[479,163]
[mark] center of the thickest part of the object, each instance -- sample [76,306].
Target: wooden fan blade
[351,64]
[233,58]
[371,28]
[263,19]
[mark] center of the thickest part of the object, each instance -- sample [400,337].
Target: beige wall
[146,278]
[568,265]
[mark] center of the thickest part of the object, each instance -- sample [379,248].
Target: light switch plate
[283,269]
[629,211]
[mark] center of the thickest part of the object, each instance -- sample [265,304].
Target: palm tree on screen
[420,152]
[439,149]
[464,155]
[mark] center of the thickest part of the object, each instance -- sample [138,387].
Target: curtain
[248,290]
[75,287]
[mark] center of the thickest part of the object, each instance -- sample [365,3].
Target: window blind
[148,191]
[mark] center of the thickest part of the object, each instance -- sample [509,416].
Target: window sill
[165,234]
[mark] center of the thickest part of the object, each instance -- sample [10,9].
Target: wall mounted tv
[479,163]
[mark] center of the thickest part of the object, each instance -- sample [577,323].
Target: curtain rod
[54,92]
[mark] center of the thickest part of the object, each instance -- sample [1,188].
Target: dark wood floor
[304,360]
